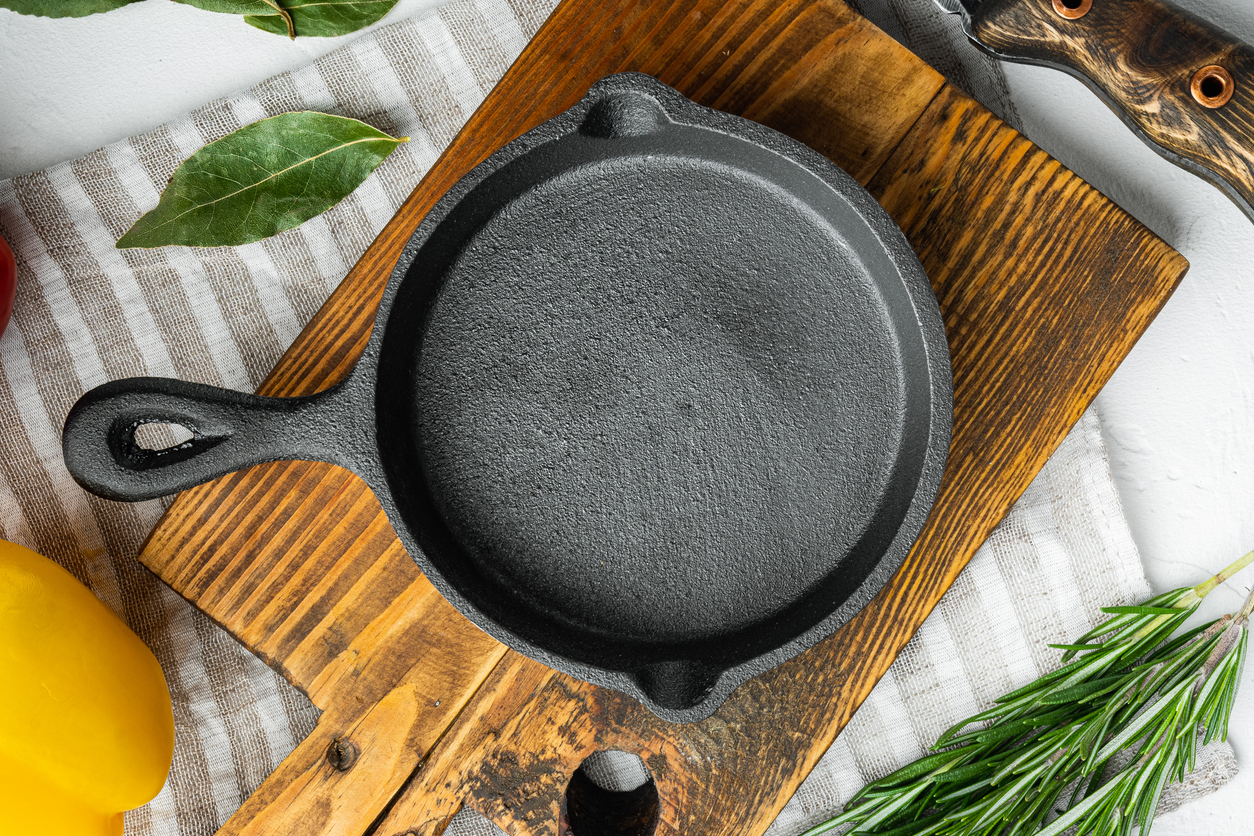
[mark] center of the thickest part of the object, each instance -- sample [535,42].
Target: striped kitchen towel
[87,313]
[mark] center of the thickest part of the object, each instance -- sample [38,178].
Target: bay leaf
[314,18]
[247,7]
[63,8]
[266,177]
[231,7]
[324,18]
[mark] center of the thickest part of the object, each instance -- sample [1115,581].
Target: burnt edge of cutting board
[297,561]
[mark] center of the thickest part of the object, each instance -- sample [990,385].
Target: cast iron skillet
[655,395]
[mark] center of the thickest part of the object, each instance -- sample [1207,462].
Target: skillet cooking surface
[656,441]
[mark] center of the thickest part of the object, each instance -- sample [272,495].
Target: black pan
[656,395]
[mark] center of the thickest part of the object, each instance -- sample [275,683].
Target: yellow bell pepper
[86,728]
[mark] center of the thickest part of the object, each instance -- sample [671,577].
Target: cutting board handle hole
[612,793]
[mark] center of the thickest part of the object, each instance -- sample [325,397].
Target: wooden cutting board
[1044,284]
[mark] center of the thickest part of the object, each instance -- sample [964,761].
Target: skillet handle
[230,431]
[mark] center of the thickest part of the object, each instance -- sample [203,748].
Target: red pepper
[8,283]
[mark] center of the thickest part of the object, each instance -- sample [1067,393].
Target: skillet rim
[364,378]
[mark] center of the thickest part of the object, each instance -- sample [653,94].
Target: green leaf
[1134,730]
[964,773]
[850,814]
[1038,684]
[1077,692]
[1141,610]
[963,791]
[231,7]
[248,7]
[324,18]
[1183,639]
[922,827]
[266,177]
[921,766]
[1218,678]
[1029,758]
[887,810]
[1014,728]
[1149,803]
[1033,819]
[1007,797]
[63,8]
[1069,818]
[313,18]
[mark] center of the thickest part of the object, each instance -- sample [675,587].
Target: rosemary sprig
[1128,685]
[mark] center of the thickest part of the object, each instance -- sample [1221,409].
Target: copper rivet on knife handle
[1212,86]
[1073,9]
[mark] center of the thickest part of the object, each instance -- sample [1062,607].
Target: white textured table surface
[1178,415]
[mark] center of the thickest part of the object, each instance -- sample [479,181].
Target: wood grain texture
[297,561]
[1140,56]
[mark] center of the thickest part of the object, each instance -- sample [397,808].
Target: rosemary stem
[1205,587]
[1197,593]
[1226,640]
[1244,613]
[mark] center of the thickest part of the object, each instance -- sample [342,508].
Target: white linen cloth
[87,313]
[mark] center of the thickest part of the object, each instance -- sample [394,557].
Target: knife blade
[1185,86]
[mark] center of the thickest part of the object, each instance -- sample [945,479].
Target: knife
[1184,86]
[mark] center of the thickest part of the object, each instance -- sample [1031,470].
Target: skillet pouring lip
[655,395]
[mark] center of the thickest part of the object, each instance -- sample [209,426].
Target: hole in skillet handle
[612,793]
[148,443]
[160,436]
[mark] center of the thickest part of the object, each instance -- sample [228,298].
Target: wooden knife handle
[1185,86]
